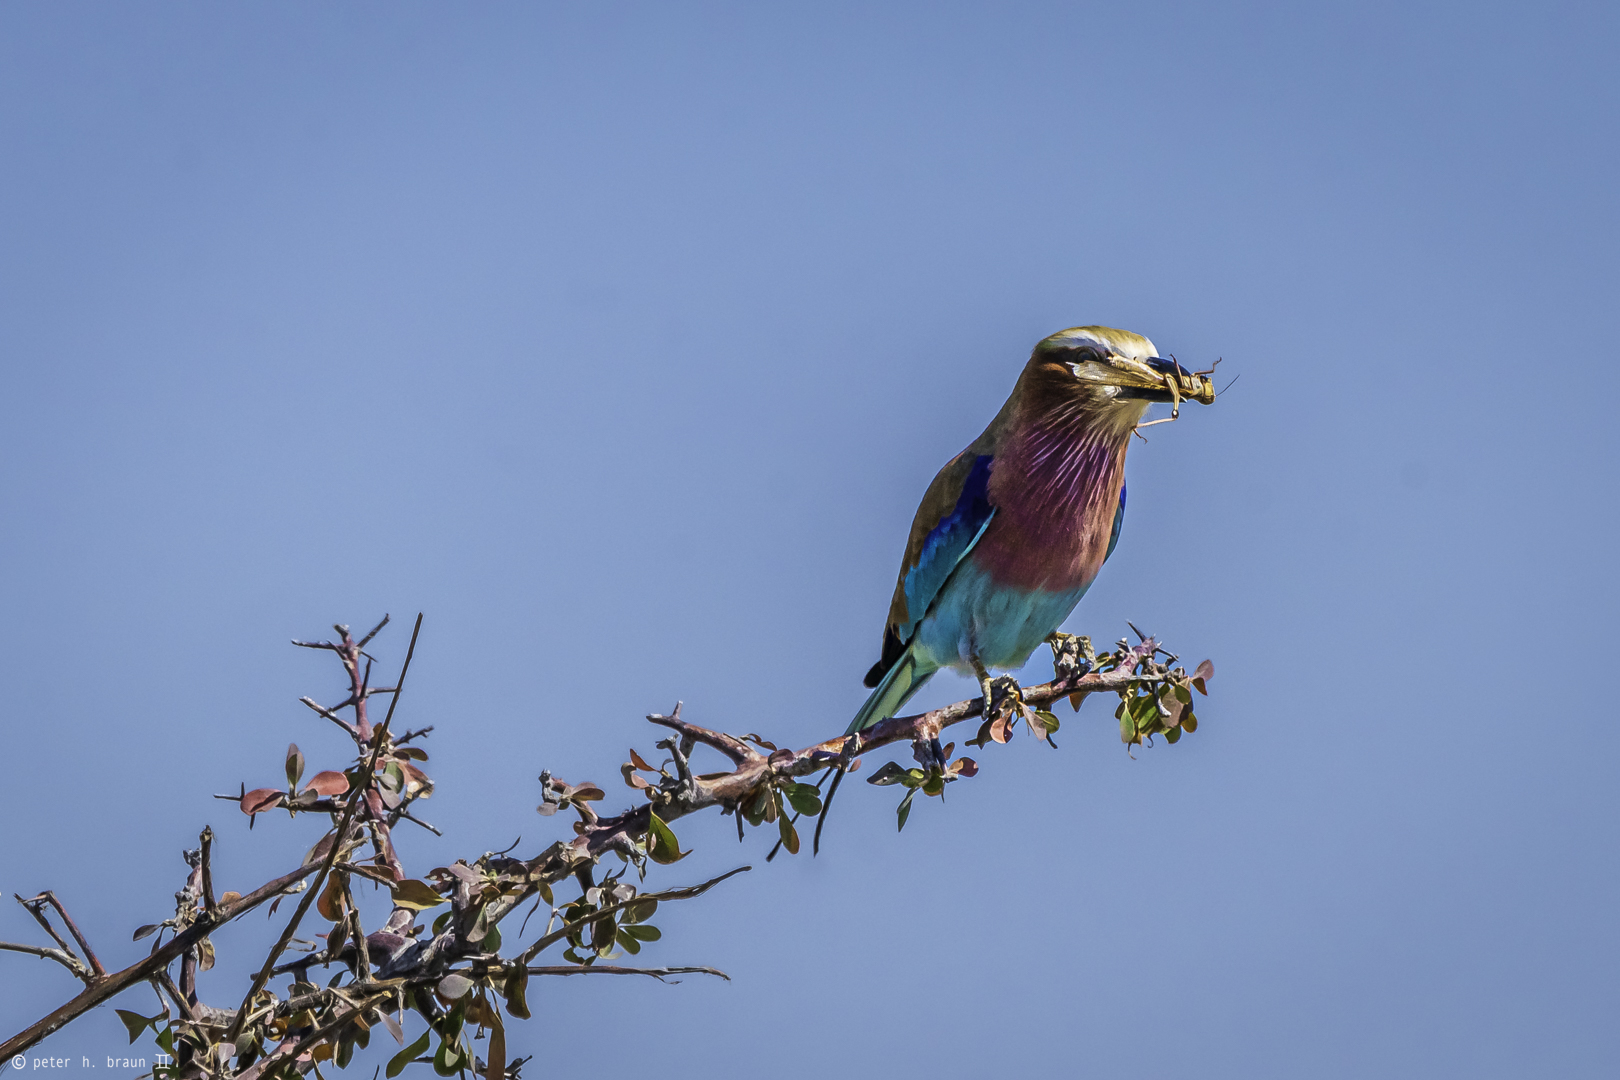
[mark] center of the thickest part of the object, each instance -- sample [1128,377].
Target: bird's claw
[929,754]
[997,702]
[1007,695]
[1072,655]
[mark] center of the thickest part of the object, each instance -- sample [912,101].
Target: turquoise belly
[1000,625]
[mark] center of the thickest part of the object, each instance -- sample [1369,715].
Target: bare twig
[481,892]
[73,928]
[119,981]
[32,907]
[338,839]
[684,893]
[291,1050]
[331,715]
[66,959]
[609,969]
[418,821]
[731,746]
[181,1001]
[207,840]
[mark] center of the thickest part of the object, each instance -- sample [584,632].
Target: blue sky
[621,340]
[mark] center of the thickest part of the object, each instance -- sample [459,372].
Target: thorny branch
[453,971]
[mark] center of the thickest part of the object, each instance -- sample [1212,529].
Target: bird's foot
[1072,655]
[1001,694]
[930,755]
[1007,696]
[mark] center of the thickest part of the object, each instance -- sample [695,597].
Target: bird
[1014,529]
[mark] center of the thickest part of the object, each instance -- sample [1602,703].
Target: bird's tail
[903,679]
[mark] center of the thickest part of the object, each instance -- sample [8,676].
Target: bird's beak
[1153,379]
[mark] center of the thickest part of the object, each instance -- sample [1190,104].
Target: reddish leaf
[854,766]
[1202,674]
[965,767]
[1076,698]
[635,759]
[328,783]
[415,776]
[331,903]
[587,793]
[319,851]
[1001,729]
[261,799]
[230,896]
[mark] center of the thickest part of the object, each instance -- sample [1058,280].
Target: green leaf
[517,987]
[905,808]
[914,778]
[397,1063]
[492,939]
[441,922]
[640,911]
[642,933]
[662,845]
[417,895]
[1173,735]
[790,835]
[448,1059]
[889,773]
[805,799]
[392,778]
[295,766]
[631,945]
[345,1052]
[1048,720]
[135,1022]
[145,931]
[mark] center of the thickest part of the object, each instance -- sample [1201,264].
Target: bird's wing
[953,515]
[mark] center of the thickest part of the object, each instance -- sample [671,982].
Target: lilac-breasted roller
[1014,529]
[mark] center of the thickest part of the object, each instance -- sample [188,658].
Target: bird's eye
[1079,358]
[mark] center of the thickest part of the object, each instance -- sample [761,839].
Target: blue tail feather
[903,679]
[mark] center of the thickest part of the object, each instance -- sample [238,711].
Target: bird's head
[1116,366]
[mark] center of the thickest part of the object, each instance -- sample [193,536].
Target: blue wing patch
[1119,520]
[949,543]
